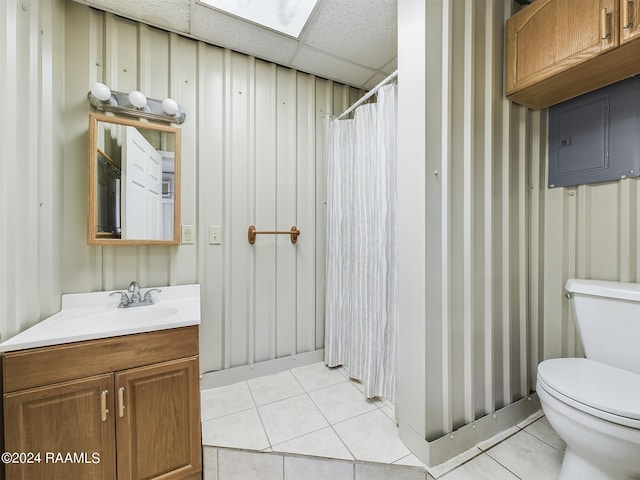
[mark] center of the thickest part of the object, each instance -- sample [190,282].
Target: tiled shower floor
[304,417]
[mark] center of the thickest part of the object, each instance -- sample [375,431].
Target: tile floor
[307,415]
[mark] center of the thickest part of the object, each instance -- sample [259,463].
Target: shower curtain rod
[368,95]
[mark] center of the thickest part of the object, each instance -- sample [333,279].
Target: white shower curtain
[362,279]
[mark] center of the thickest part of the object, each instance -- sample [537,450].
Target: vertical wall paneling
[32,37]
[211,192]
[286,275]
[479,150]
[445,220]
[417,185]
[49,146]
[491,85]
[7,82]
[238,310]
[468,220]
[81,265]
[250,191]
[266,210]
[13,33]
[183,61]
[306,199]
[252,152]
[323,119]
[536,183]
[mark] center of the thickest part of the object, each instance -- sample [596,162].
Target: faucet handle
[148,299]
[124,298]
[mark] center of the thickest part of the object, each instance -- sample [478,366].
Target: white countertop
[88,316]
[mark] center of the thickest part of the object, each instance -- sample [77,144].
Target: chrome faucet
[132,297]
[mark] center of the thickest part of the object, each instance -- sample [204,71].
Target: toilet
[593,403]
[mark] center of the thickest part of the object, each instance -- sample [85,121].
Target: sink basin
[86,316]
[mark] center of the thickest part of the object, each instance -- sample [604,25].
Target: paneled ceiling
[349,41]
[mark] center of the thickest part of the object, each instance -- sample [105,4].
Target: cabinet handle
[625,14]
[103,405]
[121,402]
[604,24]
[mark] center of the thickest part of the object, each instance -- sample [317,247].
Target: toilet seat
[610,393]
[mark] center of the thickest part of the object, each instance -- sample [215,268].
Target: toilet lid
[608,389]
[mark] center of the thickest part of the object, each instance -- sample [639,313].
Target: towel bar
[251,234]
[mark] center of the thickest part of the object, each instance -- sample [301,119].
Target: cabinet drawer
[45,365]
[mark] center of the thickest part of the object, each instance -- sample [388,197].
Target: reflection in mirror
[134,182]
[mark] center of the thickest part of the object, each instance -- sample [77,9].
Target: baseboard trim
[437,451]
[220,378]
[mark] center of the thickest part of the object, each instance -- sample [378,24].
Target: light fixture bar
[166,110]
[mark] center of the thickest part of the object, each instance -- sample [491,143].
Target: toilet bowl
[593,403]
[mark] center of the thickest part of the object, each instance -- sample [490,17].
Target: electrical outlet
[188,234]
[215,235]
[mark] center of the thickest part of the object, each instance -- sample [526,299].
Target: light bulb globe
[137,99]
[101,91]
[170,106]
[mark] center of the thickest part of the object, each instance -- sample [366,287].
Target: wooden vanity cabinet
[559,49]
[132,410]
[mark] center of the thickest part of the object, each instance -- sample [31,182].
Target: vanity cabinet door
[158,421]
[66,430]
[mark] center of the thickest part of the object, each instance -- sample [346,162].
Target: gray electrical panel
[596,137]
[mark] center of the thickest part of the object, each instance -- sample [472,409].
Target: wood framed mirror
[134,182]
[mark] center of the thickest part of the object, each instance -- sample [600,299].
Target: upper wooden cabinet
[559,49]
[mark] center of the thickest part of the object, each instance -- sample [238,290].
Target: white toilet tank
[608,320]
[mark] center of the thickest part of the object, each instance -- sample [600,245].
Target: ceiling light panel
[285,16]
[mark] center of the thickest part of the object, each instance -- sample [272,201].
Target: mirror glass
[134,182]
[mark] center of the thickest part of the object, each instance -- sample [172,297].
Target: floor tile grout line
[316,389]
[264,429]
[544,441]
[334,430]
[504,466]
[283,398]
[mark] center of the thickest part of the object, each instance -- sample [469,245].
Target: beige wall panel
[184,87]
[83,61]
[323,90]
[414,173]
[239,163]
[286,275]
[306,198]
[31,79]
[265,211]
[211,192]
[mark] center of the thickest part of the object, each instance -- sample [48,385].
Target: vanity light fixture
[135,104]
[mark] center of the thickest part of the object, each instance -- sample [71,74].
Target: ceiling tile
[319,63]
[224,30]
[360,31]
[169,14]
